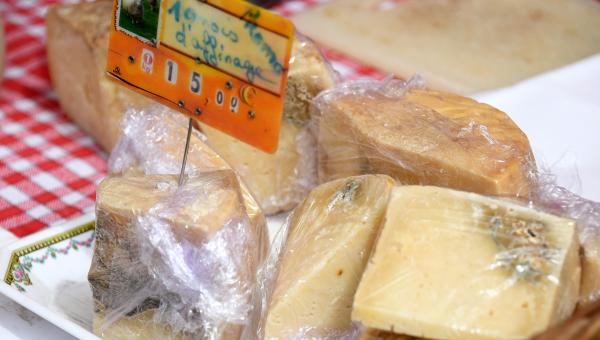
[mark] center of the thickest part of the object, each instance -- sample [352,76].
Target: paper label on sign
[223,62]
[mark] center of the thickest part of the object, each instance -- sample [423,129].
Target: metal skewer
[185,152]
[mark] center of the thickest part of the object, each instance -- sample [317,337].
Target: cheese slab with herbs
[457,265]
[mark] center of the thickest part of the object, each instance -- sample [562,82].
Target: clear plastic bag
[153,142]
[174,262]
[186,254]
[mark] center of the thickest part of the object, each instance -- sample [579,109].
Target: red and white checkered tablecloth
[49,167]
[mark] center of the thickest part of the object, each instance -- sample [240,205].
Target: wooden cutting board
[464,46]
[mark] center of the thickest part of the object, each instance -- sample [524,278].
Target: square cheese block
[282,179]
[153,142]
[457,265]
[160,246]
[329,239]
[421,137]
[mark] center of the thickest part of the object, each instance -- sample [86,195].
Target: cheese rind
[329,240]
[282,179]
[457,265]
[421,137]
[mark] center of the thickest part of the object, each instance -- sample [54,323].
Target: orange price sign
[223,62]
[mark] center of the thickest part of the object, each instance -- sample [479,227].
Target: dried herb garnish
[523,248]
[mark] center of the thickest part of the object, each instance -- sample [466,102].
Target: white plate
[47,274]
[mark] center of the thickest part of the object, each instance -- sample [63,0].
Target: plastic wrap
[447,264]
[153,142]
[457,265]
[322,251]
[554,198]
[419,136]
[180,261]
[152,262]
[480,267]
[281,180]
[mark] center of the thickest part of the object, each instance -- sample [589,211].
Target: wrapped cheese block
[180,259]
[281,180]
[153,142]
[420,137]
[278,180]
[457,265]
[329,239]
[77,38]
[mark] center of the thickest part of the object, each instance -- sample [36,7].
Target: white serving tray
[47,273]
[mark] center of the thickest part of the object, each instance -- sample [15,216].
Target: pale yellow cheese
[330,237]
[139,326]
[278,181]
[456,265]
[282,179]
[421,137]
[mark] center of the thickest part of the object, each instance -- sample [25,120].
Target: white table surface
[17,323]
[536,104]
